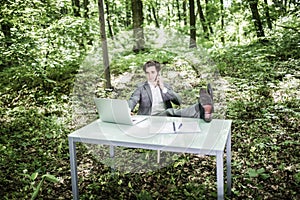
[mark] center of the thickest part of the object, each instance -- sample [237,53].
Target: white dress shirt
[158,105]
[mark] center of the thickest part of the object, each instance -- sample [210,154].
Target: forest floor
[255,86]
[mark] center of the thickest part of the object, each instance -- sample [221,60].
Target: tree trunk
[279,6]
[184,13]
[178,10]
[208,21]
[76,7]
[269,22]
[86,9]
[222,22]
[128,13]
[104,45]
[192,24]
[168,20]
[202,19]
[148,13]
[155,16]
[256,18]
[5,28]
[138,30]
[108,19]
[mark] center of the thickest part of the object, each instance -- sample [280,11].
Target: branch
[289,27]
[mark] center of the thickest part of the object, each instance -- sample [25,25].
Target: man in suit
[156,97]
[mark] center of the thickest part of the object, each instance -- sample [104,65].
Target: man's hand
[160,82]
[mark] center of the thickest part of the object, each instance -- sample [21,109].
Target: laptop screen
[114,111]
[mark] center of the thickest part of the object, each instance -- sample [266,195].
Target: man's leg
[203,109]
[194,111]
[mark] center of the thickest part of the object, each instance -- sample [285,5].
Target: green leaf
[37,190]
[297,177]
[252,173]
[265,176]
[261,170]
[34,175]
[120,182]
[51,178]
[50,81]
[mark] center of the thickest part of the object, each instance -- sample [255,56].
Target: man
[156,97]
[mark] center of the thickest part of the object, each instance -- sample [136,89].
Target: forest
[56,56]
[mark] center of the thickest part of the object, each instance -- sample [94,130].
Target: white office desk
[157,133]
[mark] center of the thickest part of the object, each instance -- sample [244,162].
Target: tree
[108,19]
[104,45]
[86,9]
[256,18]
[178,10]
[192,24]
[6,30]
[202,19]
[76,7]
[266,8]
[152,9]
[208,21]
[155,15]
[128,13]
[184,12]
[138,30]
[222,21]
[280,6]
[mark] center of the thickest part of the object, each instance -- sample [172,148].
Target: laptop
[116,111]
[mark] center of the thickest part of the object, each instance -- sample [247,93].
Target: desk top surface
[159,132]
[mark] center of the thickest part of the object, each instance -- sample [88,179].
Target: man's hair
[152,63]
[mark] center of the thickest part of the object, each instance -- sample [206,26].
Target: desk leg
[158,156]
[73,162]
[111,151]
[112,157]
[228,161]
[220,175]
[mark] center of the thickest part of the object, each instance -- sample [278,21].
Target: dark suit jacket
[143,96]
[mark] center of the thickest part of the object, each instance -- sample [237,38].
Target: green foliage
[265,111]
[28,134]
[127,62]
[45,177]
[255,173]
[27,24]
[39,61]
[144,195]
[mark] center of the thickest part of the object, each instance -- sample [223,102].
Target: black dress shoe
[206,102]
[210,92]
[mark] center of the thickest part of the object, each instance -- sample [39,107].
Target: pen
[180,126]
[174,128]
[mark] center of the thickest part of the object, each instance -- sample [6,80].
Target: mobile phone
[156,79]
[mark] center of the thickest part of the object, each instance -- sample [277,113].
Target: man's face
[151,74]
